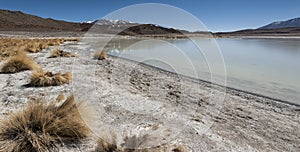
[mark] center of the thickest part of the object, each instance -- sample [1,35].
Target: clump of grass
[60,98]
[18,63]
[133,144]
[40,127]
[41,79]
[6,52]
[141,141]
[43,45]
[33,47]
[179,148]
[100,55]
[9,46]
[56,41]
[60,53]
[107,145]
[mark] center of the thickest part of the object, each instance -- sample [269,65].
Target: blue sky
[217,15]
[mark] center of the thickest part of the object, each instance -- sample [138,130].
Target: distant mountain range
[280,28]
[275,25]
[283,24]
[19,21]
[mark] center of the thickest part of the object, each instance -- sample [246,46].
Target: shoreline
[245,102]
[257,37]
[55,34]
[234,91]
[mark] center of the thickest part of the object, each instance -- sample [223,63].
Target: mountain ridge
[19,21]
[295,22]
[288,28]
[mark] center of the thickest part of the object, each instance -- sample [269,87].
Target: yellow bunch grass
[18,63]
[100,55]
[41,126]
[60,53]
[41,79]
[10,46]
[134,144]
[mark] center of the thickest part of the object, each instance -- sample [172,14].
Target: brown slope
[16,21]
[136,30]
[150,29]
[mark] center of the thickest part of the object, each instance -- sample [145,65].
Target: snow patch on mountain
[109,22]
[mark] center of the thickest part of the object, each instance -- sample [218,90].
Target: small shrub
[142,141]
[32,48]
[18,63]
[43,45]
[40,127]
[107,146]
[61,53]
[41,78]
[100,55]
[130,144]
[57,41]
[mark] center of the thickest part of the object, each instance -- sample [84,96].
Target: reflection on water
[269,67]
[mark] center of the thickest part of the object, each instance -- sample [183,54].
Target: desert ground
[163,111]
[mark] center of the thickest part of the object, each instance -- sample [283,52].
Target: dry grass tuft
[60,98]
[56,41]
[107,145]
[10,46]
[40,127]
[18,63]
[152,139]
[60,53]
[134,144]
[33,47]
[41,78]
[179,148]
[100,55]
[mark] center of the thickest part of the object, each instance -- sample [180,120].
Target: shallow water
[269,67]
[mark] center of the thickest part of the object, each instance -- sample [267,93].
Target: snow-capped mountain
[283,24]
[109,22]
[88,22]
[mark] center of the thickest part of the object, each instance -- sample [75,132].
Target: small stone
[11,99]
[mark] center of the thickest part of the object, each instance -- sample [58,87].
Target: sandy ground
[125,97]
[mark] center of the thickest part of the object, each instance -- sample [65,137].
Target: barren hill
[148,29]
[18,21]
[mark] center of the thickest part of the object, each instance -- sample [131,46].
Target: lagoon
[269,67]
